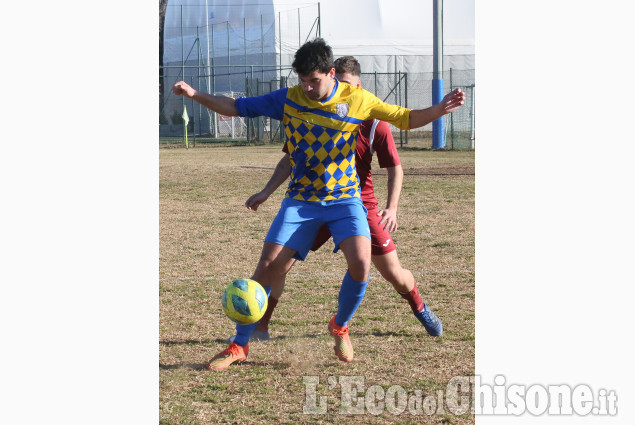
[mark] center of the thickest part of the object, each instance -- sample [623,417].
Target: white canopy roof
[377,29]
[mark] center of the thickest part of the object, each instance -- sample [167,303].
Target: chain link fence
[414,90]
[411,90]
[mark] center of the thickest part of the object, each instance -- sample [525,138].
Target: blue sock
[243,332]
[351,295]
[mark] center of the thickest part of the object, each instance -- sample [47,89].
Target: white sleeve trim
[372,135]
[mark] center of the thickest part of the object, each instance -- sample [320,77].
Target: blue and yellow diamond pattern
[323,161]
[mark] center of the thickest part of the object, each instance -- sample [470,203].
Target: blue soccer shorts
[298,222]
[381,242]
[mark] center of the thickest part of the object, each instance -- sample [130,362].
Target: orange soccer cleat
[232,354]
[343,348]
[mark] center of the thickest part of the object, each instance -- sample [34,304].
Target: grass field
[208,238]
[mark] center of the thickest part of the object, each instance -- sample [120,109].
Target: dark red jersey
[374,137]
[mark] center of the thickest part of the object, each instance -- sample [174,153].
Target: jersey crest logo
[342,109]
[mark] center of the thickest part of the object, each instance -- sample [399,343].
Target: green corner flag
[186,120]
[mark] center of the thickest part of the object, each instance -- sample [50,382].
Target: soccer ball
[245,301]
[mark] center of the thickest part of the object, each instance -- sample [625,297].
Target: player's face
[347,77]
[318,86]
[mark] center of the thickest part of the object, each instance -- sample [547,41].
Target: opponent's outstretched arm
[222,104]
[279,176]
[450,103]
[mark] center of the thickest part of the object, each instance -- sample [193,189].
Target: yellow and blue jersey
[321,135]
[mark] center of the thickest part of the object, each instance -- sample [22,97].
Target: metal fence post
[451,115]
[214,114]
[183,74]
[375,74]
[406,100]
[192,118]
[399,96]
[229,62]
[472,122]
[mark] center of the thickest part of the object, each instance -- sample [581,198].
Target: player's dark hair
[348,64]
[314,55]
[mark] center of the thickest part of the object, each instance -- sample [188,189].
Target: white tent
[397,35]
[385,35]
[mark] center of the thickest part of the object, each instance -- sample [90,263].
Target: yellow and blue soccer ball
[245,301]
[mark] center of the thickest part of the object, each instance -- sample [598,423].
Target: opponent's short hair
[314,55]
[348,64]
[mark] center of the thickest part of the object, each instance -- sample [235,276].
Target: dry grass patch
[208,238]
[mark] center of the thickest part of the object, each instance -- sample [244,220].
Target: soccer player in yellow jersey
[374,137]
[321,118]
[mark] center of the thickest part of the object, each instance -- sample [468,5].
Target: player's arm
[450,103]
[388,159]
[221,104]
[279,176]
[389,214]
[407,119]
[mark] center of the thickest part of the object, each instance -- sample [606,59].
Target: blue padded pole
[438,126]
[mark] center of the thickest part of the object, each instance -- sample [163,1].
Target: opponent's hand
[389,218]
[452,101]
[255,200]
[183,89]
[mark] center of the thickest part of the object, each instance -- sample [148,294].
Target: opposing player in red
[374,137]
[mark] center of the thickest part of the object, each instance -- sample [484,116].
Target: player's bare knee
[359,271]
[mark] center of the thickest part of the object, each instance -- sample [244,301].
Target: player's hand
[255,200]
[389,218]
[183,89]
[453,100]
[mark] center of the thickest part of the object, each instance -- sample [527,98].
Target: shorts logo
[342,109]
[387,242]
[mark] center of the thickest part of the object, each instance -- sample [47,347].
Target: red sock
[413,298]
[263,324]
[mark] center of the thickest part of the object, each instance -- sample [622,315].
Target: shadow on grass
[269,364]
[202,366]
[190,342]
[191,366]
[214,342]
